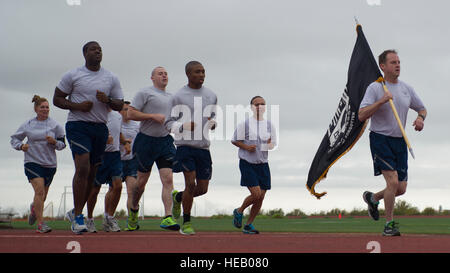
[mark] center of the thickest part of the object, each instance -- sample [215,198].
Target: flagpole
[381,80]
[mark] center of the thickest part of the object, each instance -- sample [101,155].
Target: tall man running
[91,90]
[153,143]
[191,120]
[389,150]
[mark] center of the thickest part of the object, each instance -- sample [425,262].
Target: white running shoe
[90,225]
[70,215]
[78,225]
[43,228]
[114,225]
[110,224]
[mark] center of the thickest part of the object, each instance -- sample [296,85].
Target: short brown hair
[383,56]
[38,100]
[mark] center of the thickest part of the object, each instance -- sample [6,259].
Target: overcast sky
[293,53]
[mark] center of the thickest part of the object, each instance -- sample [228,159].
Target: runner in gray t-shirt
[191,127]
[44,135]
[156,102]
[130,129]
[254,137]
[90,89]
[389,151]
[151,106]
[404,97]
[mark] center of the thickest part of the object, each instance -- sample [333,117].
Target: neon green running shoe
[176,206]
[170,224]
[186,229]
[391,229]
[132,221]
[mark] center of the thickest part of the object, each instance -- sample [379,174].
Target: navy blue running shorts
[129,168]
[110,170]
[87,137]
[389,153]
[148,150]
[34,170]
[193,159]
[255,174]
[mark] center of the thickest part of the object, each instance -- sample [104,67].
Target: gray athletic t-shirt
[40,151]
[114,127]
[151,100]
[81,84]
[129,131]
[192,105]
[255,132]
[383,120]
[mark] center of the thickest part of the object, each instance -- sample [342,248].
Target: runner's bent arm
[137,115]
[240,144]
[366,112]
[59,100]
[419,122]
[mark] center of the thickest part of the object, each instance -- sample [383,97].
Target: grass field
[411,225]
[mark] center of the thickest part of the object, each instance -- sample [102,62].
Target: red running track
[26,241]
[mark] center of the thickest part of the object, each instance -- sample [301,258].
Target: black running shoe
[249,229]
[371,207]
[391,229]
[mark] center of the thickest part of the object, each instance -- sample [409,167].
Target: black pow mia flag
[345,128]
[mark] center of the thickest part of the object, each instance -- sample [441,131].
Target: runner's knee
[200,191]
[401,189]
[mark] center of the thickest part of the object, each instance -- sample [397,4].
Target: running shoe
[90,224]
[391,229]
[110,224]
[170,224]
[32,216]
[250,229]
[176,206]
[71,215]
[237,219]
[43,228]
[186,229]
[372,207]
[75,227]
[132,221]
[78,225]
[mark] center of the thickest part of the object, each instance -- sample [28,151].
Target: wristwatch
[422,116]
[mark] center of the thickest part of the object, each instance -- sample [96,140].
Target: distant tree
[275,213]
[121,214]
[429,211]
[296,212]
[358,212]
[404,208]
[336,212]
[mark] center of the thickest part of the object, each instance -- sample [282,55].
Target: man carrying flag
[388,147]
